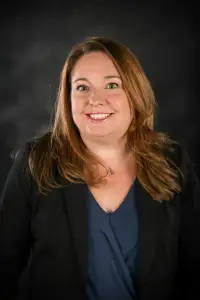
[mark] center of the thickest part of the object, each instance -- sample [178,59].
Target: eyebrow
[106,77]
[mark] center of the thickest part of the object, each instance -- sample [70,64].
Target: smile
[99,116]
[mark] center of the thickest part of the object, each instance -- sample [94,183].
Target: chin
[100,134]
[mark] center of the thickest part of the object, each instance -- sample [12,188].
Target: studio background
[36,38]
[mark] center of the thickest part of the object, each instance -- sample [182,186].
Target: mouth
[99,116]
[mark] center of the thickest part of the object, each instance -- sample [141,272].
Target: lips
[98,116]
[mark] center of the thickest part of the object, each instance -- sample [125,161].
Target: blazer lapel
[75,199]
[148,213]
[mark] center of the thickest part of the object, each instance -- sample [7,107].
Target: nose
[97,98]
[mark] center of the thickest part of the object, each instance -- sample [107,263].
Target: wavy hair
[62,151]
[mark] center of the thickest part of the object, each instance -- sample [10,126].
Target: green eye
[112,85]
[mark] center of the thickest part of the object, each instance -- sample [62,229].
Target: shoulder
[22,152]
[180,157]
[20,155]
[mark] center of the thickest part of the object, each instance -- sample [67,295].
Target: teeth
[99,116]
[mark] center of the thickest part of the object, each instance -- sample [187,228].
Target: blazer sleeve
[15,241]
[190,232]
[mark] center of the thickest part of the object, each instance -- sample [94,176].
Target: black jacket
[51,233]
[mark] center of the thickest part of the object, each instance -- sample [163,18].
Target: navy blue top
[112,250]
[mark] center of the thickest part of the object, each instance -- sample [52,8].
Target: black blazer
[51,233]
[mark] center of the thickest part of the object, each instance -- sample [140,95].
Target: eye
[112,85]
[82,88]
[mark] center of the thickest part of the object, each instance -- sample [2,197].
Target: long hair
[62,151]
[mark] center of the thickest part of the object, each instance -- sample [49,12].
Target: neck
[113,154]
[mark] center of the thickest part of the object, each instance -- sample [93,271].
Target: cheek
[76,106]
[120,103]
[74,109]
[126,110]
[77,109]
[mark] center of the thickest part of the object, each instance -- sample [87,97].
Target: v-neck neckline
[119,208]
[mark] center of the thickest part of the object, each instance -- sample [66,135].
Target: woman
[108,207]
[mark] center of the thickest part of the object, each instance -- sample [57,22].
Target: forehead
[94,62]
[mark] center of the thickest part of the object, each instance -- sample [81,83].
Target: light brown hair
[62,151]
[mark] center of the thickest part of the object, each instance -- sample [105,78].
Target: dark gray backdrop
[37,36]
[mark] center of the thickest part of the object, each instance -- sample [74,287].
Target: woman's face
[100,108]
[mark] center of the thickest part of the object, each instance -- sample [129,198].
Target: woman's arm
[189,258]
[15,240]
